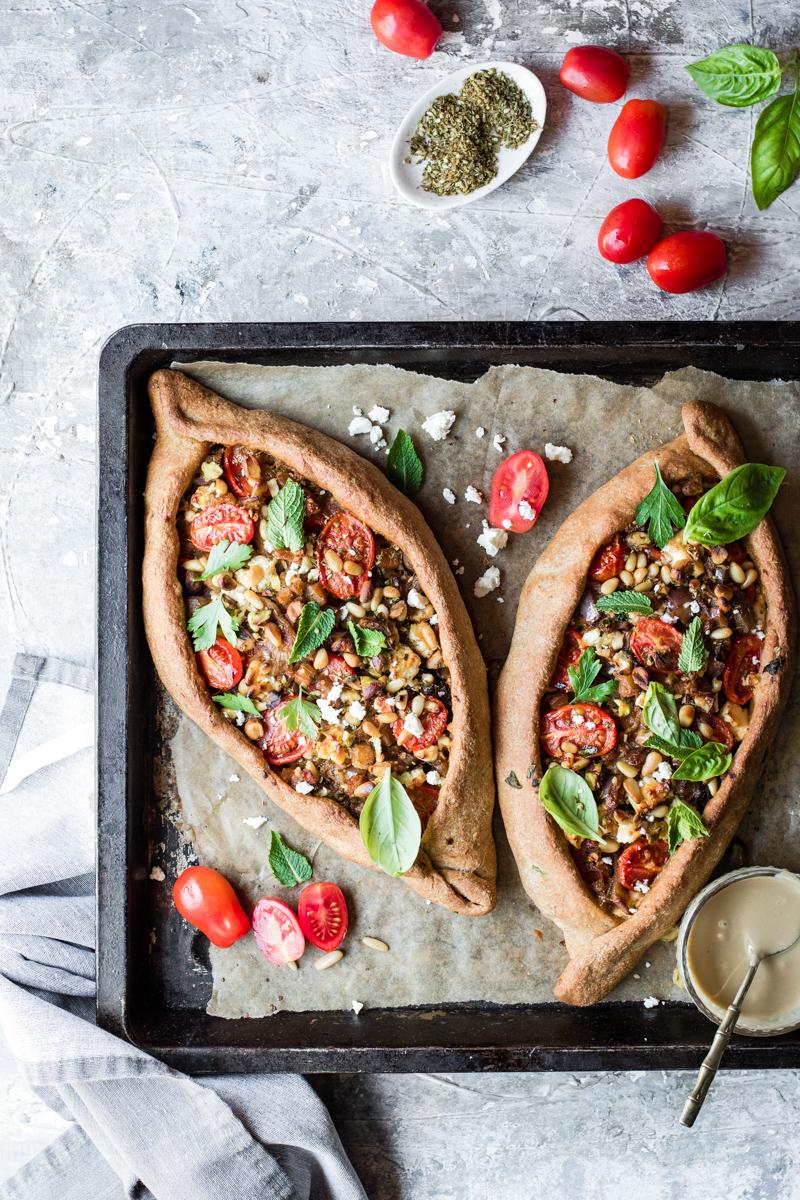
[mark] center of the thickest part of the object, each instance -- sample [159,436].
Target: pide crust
[603,950]
[456,864]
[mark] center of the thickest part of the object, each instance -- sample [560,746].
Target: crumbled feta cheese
[439,424]
[379,414]
[607,860]
[304,788]
[480,432]
[647,964]
[433,778]
[650,1002]
[158,875]
[327,711]
[498,441]
[413,725]
[489,580]
[356,713]
[356,1006]
[642,886]
[472,495]
[233,779]
[578,718]
[357,412]
[416,599]
[335,692]
[526,511]
[663,772]
[506,524]
[433,620]
[667,618]
[449,495]
[254,822]
[359,425]
[492,540]
[694,607]
[376,434]
[561,454]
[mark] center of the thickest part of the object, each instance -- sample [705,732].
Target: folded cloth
[137,1129]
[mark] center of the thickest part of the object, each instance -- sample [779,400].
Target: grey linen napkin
[138,1128]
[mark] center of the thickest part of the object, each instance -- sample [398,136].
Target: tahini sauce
[758,914]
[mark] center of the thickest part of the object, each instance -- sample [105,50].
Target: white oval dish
[407,176]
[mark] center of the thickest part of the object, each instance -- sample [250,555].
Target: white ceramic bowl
[407,176]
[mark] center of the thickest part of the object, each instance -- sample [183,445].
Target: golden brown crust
[456,864]
[604,950]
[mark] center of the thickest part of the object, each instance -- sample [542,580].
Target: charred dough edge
[456,865]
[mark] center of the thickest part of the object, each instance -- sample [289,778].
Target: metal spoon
[712,1060]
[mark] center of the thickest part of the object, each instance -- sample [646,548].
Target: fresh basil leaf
[684,824]
[693,652]
[660,511]
[582,678]
[367,642]
[775,154]
[226,556]
[569,800]
[738,75]
[624,602]
[404,464]
[313,629]
[285,516]
[390,826]
[237,703]
[734,506]
[660,713]
[288,866]
[678,750]
[204,622]
[708,761]
[303,716]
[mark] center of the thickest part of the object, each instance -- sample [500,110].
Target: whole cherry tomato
[641,862]
[322,913]
[221,664]
[656,645]
[629,231]
[406,26]
[607,562]
[277,932]
[742,669]
[519,489]
[684,262]
[206,900]
[594,73]
[586,725]
[636,137]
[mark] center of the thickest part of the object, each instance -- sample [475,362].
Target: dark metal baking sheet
[157,998]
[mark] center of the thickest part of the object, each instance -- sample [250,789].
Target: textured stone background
[227,160]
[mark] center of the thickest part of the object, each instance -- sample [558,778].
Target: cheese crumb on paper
[439,424]
[498,441]
[472,495]
[560,454]
[356,1006]
[359,425]
[488,582]
[158,875]
[379,414]
[480,432]
[651,1002]
[254,822]
[449,495]
[492,540]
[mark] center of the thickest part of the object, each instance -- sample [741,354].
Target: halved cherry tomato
[206,900]
[315,517]
[684,262]
[596,873]
[607,562]
[570,652]
[586,725]
[521,480]
[742,669]
[322,913]
[434,718]
[277,932]
[641,862]
[594,73]
[424,797]
[281,745]
[406,26]
[221,522]
[722,731]
[656,644]
[353,542]
[629,231]
[221,664]
[636,137]
[242,470]
[337,668]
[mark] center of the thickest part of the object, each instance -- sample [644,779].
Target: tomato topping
[433,719]
[656,644]
[242,470]
[221,664]
[315,517]
[221,522]
[595,873]
[206,900]
[684,262]
[585,725]
[629,231]
[281,745]
[571,650]
[722,731]
[406,26]
[640,862]
[277,932]
[349,540]
[322,913]
[594,73]
[520,481]
[742,669]
[424,797]
[337,668]
[636,137]
[607,562]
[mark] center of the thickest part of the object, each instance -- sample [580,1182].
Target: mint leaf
[693,652]
[738,75]
[706,762]
[226,556]
[734,506]
[660,511]
[404,464]
[569,800]
[678,750]
[390,826]
[314,627]
[581,679]
[303,716]
[775,154]
[683,825]
[204,622]
[367,642]
[237,703]
[289,866]
[285,516]
[624,602]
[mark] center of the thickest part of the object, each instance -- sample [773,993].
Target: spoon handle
[711,1062]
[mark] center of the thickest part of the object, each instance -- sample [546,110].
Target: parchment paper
[513,955]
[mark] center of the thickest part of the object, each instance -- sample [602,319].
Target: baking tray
[156,995]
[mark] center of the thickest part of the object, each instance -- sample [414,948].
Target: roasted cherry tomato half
[571,650]
[641,862]
[281,745]
[424,797]
[221,523]
[221,664]
[656,644]
[345,540]
[607,562]
[322,913]
[594,73]
[277,932]
[315,517]
[519,490]
[206,900]
[406,26]
[434,719]
[584,725]
[337,668]
[721,730]
[684,262]
[636,137]
[742,669]
[629,231]
[242,470]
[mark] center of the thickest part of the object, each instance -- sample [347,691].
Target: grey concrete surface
[226,160]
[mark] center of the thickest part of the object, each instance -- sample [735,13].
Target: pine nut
[329,960]
[375,944]
[321,659]
[706,729]
[645,586]
[713,786]
[333,560]
[665,575]
[659,811]
[417,705]
[641,560]
[750,578]
[686,715]
[363,789]
[356,610]
[639,574]
[569,748]
[293,610]
[253,729]
[352,660]
[353,568]
[292,965]
[719,635]
[399,611]
[630,562]
[370,729]
[626,577]
[273,634]
[377,596]
[653,570]
[719,555]
[391,593]
[627,769]
[220,487]
[737,574]
[633,791]
[651,762]
[608,587]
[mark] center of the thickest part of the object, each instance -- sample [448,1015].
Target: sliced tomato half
[586,726]
[722,731]
[350,541]
[656,645]
[242,470]
[433,719]
[322,913]
[519,489]
[337,668]
[571,650]
[424,797]
[641,862]
[277,932]
[221,664]
[281,745]
[742,669]
[221,523]
[607,562]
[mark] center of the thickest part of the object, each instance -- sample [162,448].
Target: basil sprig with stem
[390,826]
[735,506]
[567,797]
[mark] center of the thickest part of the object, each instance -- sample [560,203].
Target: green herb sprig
[660,715]
[567,797]
[285,517]
[660,511]
[289,867]
[299,715]
[582,677]
[237,703]
[390,826]
[313,630]
[226,556]
[684,824]
[735,506]
[624,602]
[692,654]
[206,620]
[404,464]
[367,642]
